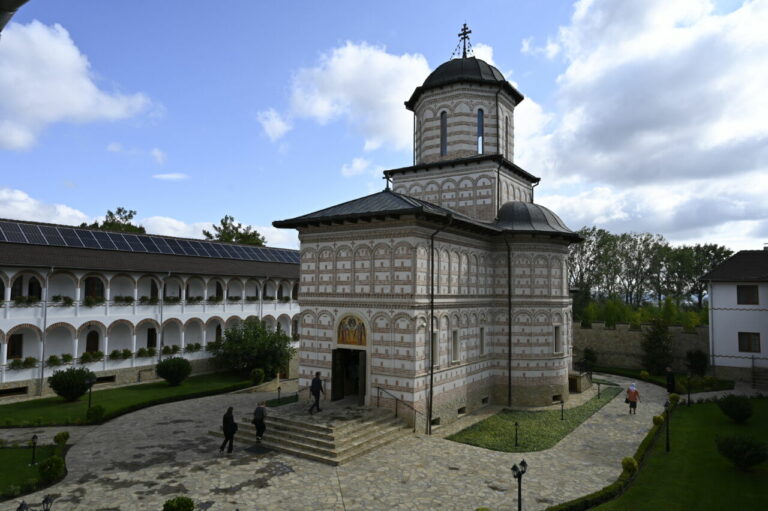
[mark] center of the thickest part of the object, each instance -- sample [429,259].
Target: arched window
[92,341]
[17,287]
[506,136]
[295,293]
[34,290]
[480,130]
[151,338]
[219,291]
[443,133]
[218,332]
[153,293]
[94,287]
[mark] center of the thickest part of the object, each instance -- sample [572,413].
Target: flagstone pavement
[138,461]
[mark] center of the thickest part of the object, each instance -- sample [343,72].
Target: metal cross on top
[464,39]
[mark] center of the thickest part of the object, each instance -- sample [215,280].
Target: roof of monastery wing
[743,266]
[464,70]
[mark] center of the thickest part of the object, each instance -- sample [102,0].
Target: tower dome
[530,218]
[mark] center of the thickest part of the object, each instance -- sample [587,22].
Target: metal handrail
[397,400]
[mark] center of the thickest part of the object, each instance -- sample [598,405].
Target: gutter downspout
[509,323]
[432,321]
[711,328]
[532,187]
[43,338]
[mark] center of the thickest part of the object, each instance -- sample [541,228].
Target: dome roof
[526,217]
[469,69]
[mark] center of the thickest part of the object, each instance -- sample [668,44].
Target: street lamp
[666,420]
[517,427]
[598,390]
[562,410]
[47,503]
[91,381]
[688,384]
[517,473]
[34,448]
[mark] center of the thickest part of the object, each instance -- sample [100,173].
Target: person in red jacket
[633,396]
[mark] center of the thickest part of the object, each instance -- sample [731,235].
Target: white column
[107,296]
[133,348]
[106,350]
[74,346]
[183,295]
[205,296]
[205,336]
[7,298]
[135,297]
[183,344]
[3,359]
[242,297]
[77,299]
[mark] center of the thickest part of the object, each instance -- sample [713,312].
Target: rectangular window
[747,295]
[558,340]
[152,338]
[749,342]
[15,346]
[455,346]
[482,340]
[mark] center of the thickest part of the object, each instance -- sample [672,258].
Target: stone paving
[138,461]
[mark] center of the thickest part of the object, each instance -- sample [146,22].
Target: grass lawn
[700,385]
[694,475]
[56,411]
[538,429]
[16,472]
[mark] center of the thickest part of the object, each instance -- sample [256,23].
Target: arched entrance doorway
[348,363]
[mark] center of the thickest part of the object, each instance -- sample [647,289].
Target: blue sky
[639,116]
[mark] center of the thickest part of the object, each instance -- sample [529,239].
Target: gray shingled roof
[743,266]
[495,158]
[527,217]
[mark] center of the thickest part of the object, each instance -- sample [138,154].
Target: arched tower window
[443,133]
[480,130]
[506,137]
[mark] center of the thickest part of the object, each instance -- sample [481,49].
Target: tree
[119,220]
[233,232]
[705,259]
[657,347]
[252,345]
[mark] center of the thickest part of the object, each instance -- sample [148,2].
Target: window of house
[482,340]
[747,295]
[218,333]
[151,338]
[480,130]
[153,292]
[219,291]
[17,288]
[295,292]
[749,342]
[558,340]
[15,346]
[94,287]
[34,289]
[455,346]
[443,133]
[92,341]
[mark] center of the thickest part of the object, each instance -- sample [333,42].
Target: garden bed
[17,476]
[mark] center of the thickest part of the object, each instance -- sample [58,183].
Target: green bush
[250,345]
[629,465]
[166,350]
[257,375]
[29,363]
[53,361]
[192,347]
[179,504]
[644,375]
[142,353]
[152,351]
[72,382]
[658,420]
[674,399]
[61,438]
[174,370]
[589,358]
[95,414]
[52,469]
[67,358]
[744,452]
[93,301]
[15,364]
[68,301]
[86,357]
[126,354]
[116,355]
[737,408]
[697,362]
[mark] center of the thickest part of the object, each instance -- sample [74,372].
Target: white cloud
[550,50]
[18,205]
[274,125]
[115,147]
[483,52]
[357,167]
[659,120]
[364,85]
[173,176]
[45,80]
[158,155]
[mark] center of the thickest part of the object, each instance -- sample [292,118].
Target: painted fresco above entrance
[351,331]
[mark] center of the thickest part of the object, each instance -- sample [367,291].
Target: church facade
[447,291]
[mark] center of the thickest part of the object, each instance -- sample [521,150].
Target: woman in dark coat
[230,428]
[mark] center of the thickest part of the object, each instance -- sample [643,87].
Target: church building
[448,290]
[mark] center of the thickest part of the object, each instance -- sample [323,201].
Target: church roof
[743,266]
[462,70]
[527,217]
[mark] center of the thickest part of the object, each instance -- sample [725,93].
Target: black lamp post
[666,420]
[7,9]
[688,384]
[34,449]
[562,410]
[278,394]
[23,506]
[47,503]
[517,473]
[598,390]
[91,382]
[517,427]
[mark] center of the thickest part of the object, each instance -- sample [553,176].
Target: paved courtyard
[138,461]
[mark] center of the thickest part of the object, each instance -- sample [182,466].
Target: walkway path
[138,461]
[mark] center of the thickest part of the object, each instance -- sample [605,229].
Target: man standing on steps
[259,416]
[315,389]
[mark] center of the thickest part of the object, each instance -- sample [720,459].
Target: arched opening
[217,334]
[153,291]
[92,341]
[443,133]
[280,292]
[480,130]
[93,287]
[295,292]
[17,287]
[34,289]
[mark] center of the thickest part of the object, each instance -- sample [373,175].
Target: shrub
[126,354]
[61,438]
[72,382]
[52,469]
[93,301]
[166,350]
[234,298]
[174,370]
[644,375]
[16,364]
[179,504]
[86,357]
[192,347]
[53,361]
[658,420]
[737,408]
[657,347]
[697,362]
[68,301]
[251,298]
[56,298]
[285,299]
[250,345]
[744,452]
[117,299]
[629,465]
[66,358]
[116,355]
[172,299]
[95,414]
[194,299]
[590,358]
[152,351]
[674,399]
[29,362]
[175,349]
[257,375]
[142,353]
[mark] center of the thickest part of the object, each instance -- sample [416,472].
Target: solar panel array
[17,232]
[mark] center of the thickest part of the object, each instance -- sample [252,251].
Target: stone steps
[333,443]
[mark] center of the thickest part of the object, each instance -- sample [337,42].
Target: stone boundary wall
[620,346]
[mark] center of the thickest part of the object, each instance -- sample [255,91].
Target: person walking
[229,427]
[259,416]
[315,389]
[670,381]
[633,396]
